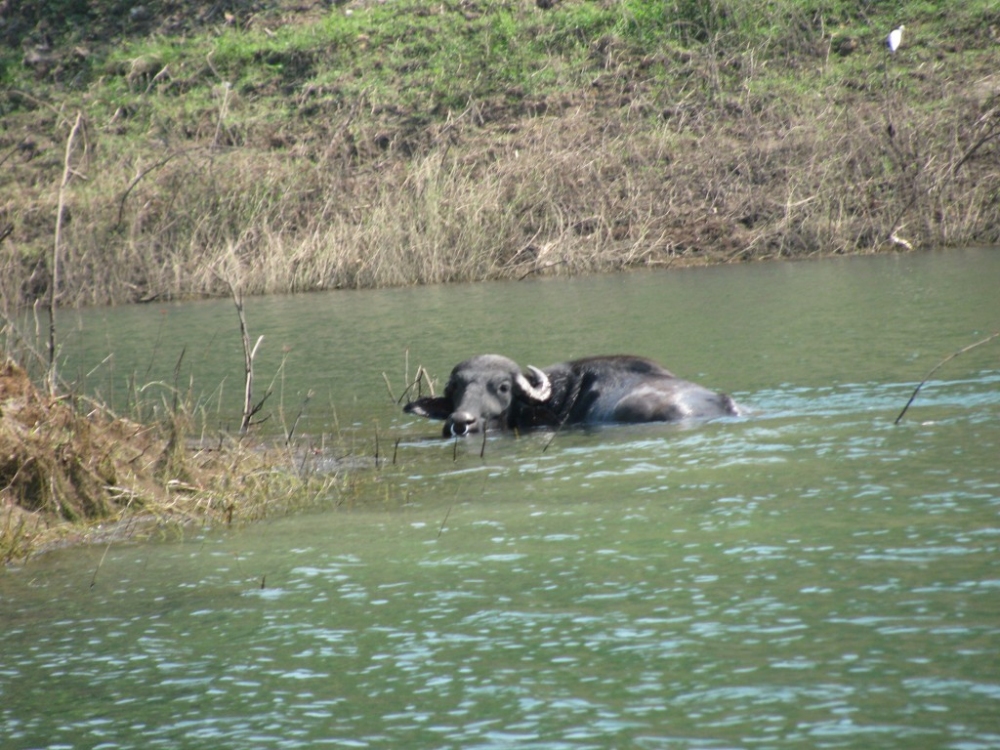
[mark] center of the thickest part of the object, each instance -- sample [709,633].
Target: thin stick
[444,520]
[142,174]
[13,150]
[93,579]
[574,397]
[421,377]
[302,408]
[991,133]
[447,513]
[249,410]
[54,271]
[936,367]
[111,539]
[223,111]
[539,269]
[177,374]
[388,387]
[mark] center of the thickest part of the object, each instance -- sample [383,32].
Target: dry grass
[562,195]
[730,161]
[73,475]
[567,195]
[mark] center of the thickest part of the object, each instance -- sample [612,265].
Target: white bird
[894,38]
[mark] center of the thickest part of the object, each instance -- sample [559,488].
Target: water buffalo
[491,392]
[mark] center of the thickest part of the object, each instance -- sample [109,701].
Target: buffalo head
[483,393]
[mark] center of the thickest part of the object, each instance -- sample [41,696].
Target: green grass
[419,54]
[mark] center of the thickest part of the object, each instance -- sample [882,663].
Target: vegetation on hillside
[305,145]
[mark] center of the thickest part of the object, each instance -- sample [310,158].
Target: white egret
[894,38]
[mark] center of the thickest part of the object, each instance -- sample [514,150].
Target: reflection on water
[808,577]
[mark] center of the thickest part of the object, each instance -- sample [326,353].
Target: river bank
[164,150]
[73,472]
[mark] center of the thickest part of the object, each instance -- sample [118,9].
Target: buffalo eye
[503,388]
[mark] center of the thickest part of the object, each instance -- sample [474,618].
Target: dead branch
[938,366]
[388,387]
[543,267]
[421,377]
[992,132]
[13,150]
[249,409]
[141,175]
[295,422]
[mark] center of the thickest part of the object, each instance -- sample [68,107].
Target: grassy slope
[293,146]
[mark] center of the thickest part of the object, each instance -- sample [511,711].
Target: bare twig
[939,365]
[68,173]
[223,111]
[444,520]
[295,422]
[249,411]
[13,150]
[111,538]
[891,234]
[421,377]
[249,408]
[992,132]
[138,178]
[539,269]
[388,387]
[164,72]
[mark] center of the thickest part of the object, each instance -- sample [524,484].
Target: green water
[811,576]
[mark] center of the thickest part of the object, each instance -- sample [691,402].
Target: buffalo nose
[462,423]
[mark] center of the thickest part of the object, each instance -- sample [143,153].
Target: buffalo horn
[542,391]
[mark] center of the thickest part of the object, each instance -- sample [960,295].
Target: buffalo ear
[430,407]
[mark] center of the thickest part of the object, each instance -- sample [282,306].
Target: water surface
[808,577]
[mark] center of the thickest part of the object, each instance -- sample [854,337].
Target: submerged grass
[406,142]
